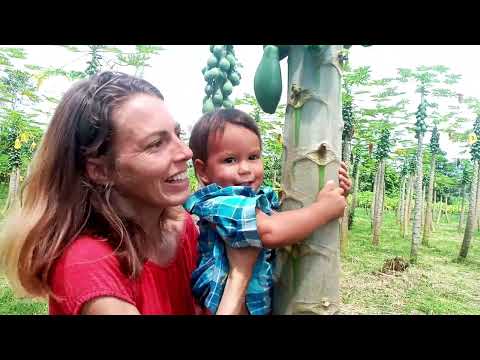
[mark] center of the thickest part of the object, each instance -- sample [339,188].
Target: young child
[235,210]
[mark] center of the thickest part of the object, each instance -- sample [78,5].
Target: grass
[9,304]
[437,284]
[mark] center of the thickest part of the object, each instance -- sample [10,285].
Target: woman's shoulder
[85,249]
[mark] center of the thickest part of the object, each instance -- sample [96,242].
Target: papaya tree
[465,181]
[357,156]
[347,136]
[420,129]
[138,59]
[17,92]
[407,208]
[221,75]
[18,140]
[425,77]
[403,184]
[309,271]
[434,149]
[381,155]
[472,211]
[352,79]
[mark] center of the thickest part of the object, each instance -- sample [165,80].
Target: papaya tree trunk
[402,203]
[429,211]
[424,190]
[400,200]
[408,200]
[374,198]
[477,205]
[445,212]
[439,209]
[356,174]
[477,196]
[382,205]
[467,236]
[434,208]
[462,209]
[13,188]
[378,209]
[417,215]
[309,272]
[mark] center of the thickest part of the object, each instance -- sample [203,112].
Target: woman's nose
[183,152]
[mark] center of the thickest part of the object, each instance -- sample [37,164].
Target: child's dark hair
[215,121]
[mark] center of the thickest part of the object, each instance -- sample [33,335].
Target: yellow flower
[18,144]
[33,146]
[280,138]
[24,137]
[472,139]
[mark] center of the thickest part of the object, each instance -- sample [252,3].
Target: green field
[436,285]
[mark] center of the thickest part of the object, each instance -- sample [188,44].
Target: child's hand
[343,179]
[333,199]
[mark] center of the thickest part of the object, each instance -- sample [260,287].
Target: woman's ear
[201,171]
[97,170]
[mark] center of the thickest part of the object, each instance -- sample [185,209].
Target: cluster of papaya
[383,146]
[347,115]
[421,114]
[221,76]
[475,150]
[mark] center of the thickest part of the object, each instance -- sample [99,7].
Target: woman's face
[150,159]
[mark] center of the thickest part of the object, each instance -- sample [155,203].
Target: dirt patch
[397,264]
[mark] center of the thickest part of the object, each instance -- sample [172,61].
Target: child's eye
[229,160]
[254,157]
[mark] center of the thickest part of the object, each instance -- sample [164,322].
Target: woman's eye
[156,144]
[229,160]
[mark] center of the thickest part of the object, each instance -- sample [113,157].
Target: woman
[101,229]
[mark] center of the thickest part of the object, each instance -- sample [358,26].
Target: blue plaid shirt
[227,216]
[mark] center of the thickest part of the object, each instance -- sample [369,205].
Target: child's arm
[288,227]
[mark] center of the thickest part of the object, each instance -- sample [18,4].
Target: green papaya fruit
[208,89]
[268,80]
[204,70]
[222,76]
[234,78]
[208,106]
[231,59]
[212,62]
[227,88]
[224,64]
[227,104]
[212,74]
[217,98]
[218,51]
[282,50]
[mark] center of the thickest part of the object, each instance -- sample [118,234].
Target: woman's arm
[241,263]
[107,305]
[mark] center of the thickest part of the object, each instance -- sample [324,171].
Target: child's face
[234,158]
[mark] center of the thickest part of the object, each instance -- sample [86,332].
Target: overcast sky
[177,70]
